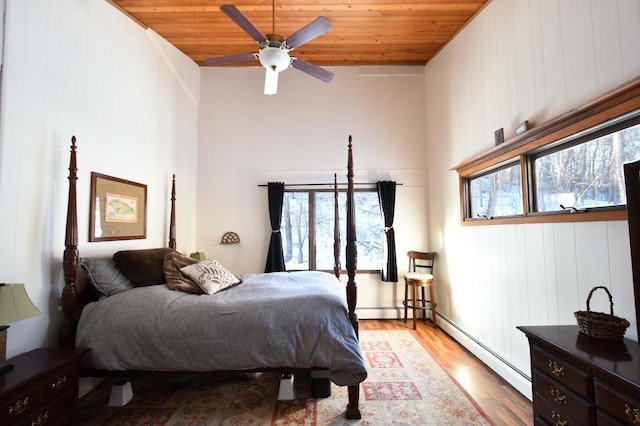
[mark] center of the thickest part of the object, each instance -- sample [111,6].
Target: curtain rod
[325,184]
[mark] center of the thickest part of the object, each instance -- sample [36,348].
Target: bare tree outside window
[498,193]
[586,175]
[303,208]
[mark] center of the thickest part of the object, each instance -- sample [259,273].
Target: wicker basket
[601,325]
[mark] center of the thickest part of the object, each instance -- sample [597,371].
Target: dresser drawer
[573,378]
[618,405]
[552,414]
[606,420]
[539,421]
[563,398]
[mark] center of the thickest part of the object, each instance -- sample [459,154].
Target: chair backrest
[421,260]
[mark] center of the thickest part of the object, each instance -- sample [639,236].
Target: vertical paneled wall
[300,136]
[525,60]
[80,67]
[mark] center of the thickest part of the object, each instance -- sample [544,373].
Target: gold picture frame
[118,209]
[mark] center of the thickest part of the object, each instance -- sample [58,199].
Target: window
[307,229]
[570,164]
[587,173]
[496,193]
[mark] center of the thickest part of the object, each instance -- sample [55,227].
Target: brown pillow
[142,267]
[176,280]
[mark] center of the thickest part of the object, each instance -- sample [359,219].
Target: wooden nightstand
[42,388]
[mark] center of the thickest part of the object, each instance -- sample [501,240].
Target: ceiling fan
[273,49]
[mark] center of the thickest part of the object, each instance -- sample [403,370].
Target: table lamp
[198,256]
[15,305]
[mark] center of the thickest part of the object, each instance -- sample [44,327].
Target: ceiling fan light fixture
[273,50]
[274,58]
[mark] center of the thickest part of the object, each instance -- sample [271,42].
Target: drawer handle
[556,369]
[41,419]
[19,406]
[633,414]
[558,419]
[558,396]
[60,382]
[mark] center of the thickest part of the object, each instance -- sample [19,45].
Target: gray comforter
[295,320]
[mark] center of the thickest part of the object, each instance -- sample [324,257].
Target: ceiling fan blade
[238,17]
[312,70]
[310,31]
[240,57]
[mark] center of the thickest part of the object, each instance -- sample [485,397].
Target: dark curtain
[275,257]
[387,197]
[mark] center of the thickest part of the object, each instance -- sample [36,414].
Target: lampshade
[15,304]
[198,256]
[274,58]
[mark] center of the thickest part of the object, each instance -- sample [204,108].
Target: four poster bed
[268,322]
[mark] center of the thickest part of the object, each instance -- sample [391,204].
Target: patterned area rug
[406,386]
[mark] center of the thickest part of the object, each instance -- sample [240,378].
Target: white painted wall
[300,135]
[523,60]
[80,67]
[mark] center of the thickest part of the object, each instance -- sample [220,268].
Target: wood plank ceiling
[365,32]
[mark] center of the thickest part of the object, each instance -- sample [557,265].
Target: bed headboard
[76,292]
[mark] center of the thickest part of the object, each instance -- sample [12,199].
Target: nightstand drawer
[21,406]
[618,405]
[60,383]
[563,398]
[560,370]
[42,388]
[58,412]
[54,384]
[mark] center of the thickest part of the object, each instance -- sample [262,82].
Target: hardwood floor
[501,402]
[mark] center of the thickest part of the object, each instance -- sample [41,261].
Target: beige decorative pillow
[176,280]
[210,275]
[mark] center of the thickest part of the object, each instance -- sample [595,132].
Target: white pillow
[210,275]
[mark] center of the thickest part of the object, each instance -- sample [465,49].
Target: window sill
[588,216]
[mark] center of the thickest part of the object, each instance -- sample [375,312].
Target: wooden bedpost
[67,335]
[353,410]
[336,228]
[172,225]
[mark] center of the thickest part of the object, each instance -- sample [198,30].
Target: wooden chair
[414,278]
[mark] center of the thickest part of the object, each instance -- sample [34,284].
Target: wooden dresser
[42,388]
[578,380]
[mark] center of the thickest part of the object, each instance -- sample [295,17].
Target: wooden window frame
[613,104]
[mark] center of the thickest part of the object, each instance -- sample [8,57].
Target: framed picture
[118,209]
